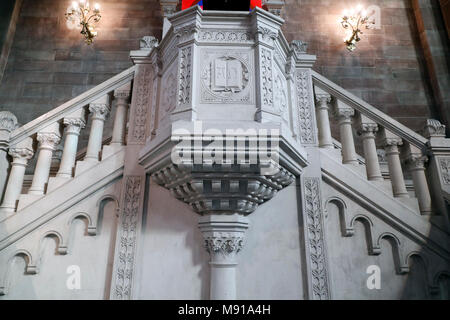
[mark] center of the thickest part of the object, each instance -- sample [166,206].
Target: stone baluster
[368,131]
[48,139]
[391,143]
[344,114]
[323,121]
[122,96]
[415,161]
[224,238]
[21,153]
[8,123]
[100,110]
[74,123]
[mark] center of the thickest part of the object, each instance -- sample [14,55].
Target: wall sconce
[353,21]
[80,13]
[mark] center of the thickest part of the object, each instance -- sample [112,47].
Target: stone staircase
[42,211]
[414,217]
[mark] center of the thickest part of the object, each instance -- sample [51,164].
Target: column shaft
[47,143]
[395,171]
[70,147]
[99,111]
[370,152]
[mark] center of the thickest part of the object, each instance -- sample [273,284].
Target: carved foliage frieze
[142,95]
[444,164]
[227,77]
[128,231]
[266,77]
[169,91]
[315,239]
[227,36]
[185,76]
[305,108]
[280,94]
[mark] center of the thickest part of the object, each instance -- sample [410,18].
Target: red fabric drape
[189,3]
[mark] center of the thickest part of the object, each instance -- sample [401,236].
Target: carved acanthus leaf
[148,43]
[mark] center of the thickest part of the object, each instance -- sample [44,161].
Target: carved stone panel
[305,107]
[169,91]
[127,244]
[185,76]
[315,239]
[444,166]
[227,36]
[280,97]
[227,77]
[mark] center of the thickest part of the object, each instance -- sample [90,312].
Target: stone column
[416,165]
[73,128]
[344,114]
[391,143]
[21,153]
[368,132]
[224,238]
[48,139]
[8,123]
[100,110]
[122,96]
[323,121]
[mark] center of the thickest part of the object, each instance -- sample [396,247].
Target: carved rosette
[48,141]
[100,111]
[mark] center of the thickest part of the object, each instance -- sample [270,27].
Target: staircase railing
[45,132]
[403,146]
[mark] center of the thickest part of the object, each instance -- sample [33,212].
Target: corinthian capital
[224,243]
[22,150]
[223,236]
[48,140]
[74,125]
[99,110]
[8,121]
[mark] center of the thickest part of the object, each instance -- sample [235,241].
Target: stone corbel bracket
[212,186]
[220,189]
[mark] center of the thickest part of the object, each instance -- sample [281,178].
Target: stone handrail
[369,111]
[68,107]
[405,149]
[66,120]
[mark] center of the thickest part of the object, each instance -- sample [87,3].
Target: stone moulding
[222,189]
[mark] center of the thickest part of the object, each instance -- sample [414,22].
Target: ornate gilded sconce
[353,21]
[81,14]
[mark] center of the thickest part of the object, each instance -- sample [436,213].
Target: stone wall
[49,64]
